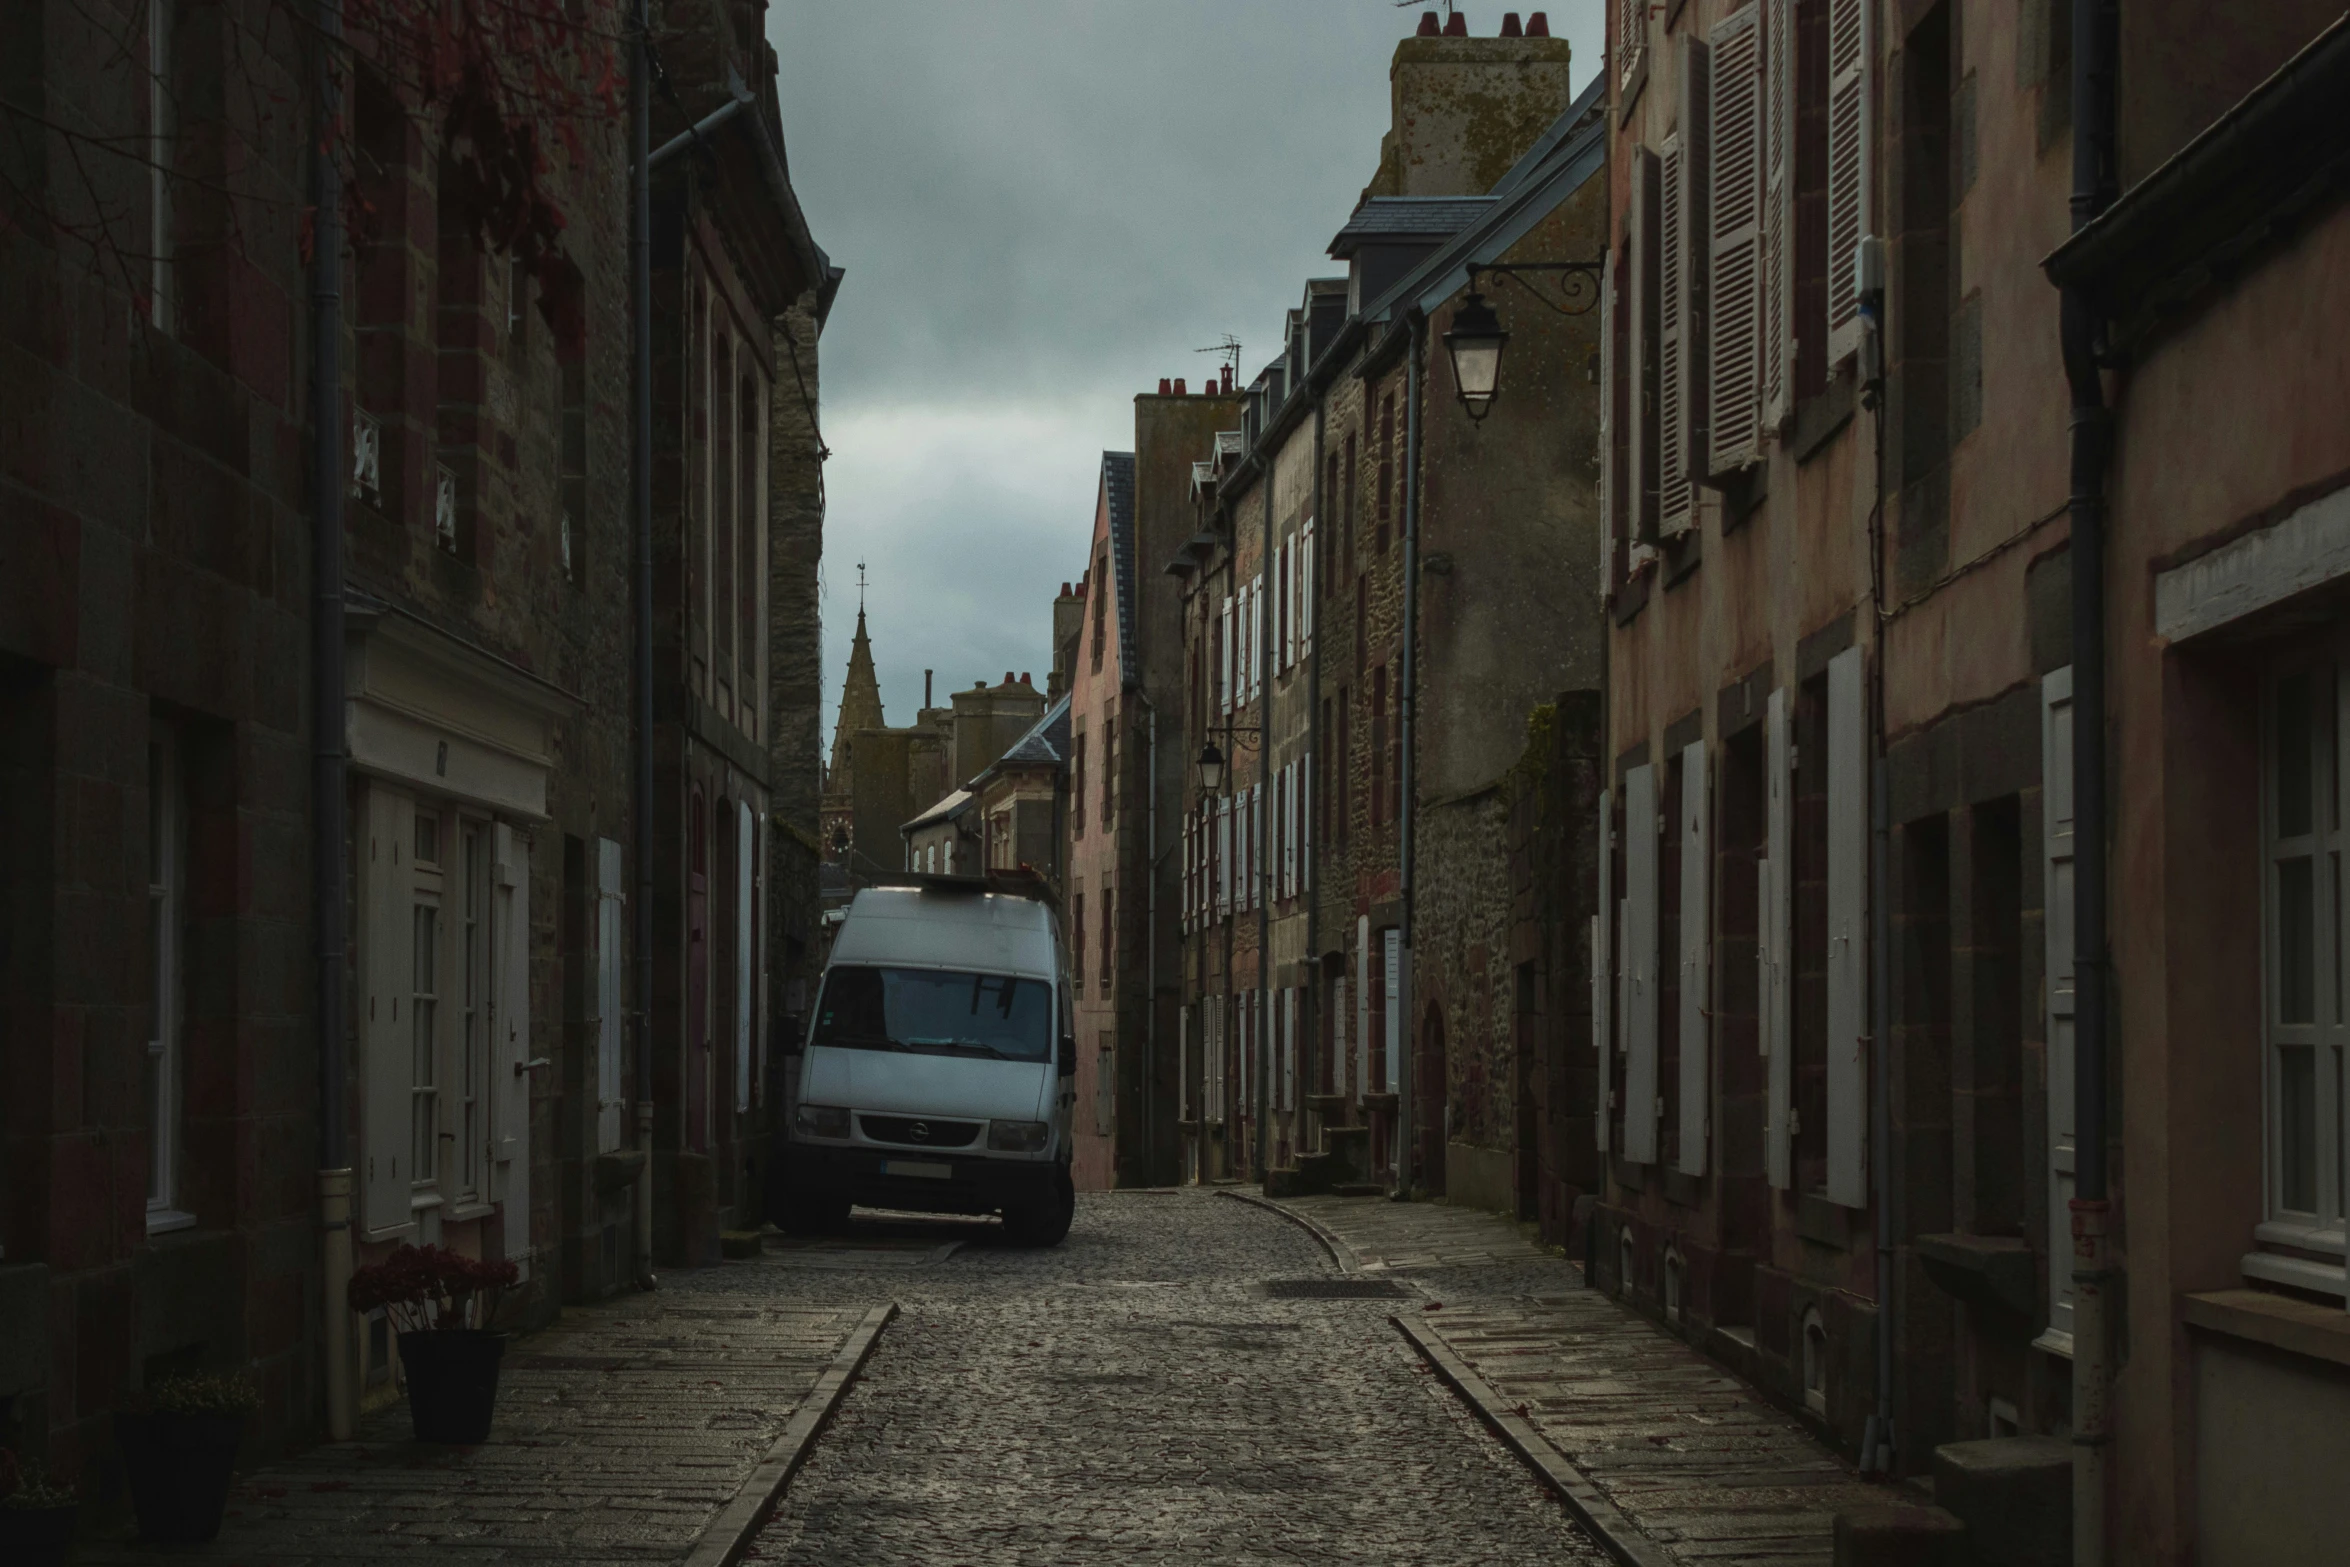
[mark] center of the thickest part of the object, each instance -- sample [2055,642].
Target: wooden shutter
[1223,852]
[1674,325]
[1696,959]
[1777,927]
[1696,201]
[1256,845]
[1848,137]
[1284,608]
[1640,937]
[1305,838]
[1391,956]
[386,978]
[1308,596]
[2056,841]
[1848,937]
[1631,39]
[1224,656]
[1603,965]
[1777,280]
[1734,247]
[611,953]
[1641,344]
[509,1064]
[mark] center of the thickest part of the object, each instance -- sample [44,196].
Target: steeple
[860,695]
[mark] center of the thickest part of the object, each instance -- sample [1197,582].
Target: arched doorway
[1430,1116]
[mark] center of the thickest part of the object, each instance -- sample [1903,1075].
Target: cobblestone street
[1145,1391]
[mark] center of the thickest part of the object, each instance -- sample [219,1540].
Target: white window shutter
[1223,857]
[746,952]
[1674,325]
[1603,966]
[1305,840]
[1778,216]
[1610,484]
[1224,656]
[1777,945]
[2056,839]
[1696,959]
[1734,249]
[510,1075]
[1313,567]
[611,954]
[1641,342]
[1848,934]
[1640,938]
[386,953]
[1256,845]
[1848,150]
[1631,39]
[1391,970]
[1697,156]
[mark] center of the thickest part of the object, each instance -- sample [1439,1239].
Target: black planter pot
[36,1536]
[452,1383]
[178,1467]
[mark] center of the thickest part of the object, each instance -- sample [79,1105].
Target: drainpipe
[1407,710]
[326,728]
[640,287]
[2095,61]
[1150,941]
[1309,1006]
[1260,840]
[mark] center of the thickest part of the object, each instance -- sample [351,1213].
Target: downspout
[1878,1443]
[2095,61]
[328,807]
[1150,942]
[640,270]
[1309,1007]
[1260,840]
[1407,708]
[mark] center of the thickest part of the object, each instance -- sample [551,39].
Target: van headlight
[822,1121]
[1017,1136]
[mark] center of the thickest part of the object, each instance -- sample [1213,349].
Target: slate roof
[1118,490]
[1408,220]
[1047,740]
[945,810]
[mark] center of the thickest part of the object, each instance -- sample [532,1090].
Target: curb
[1617,1534]
[1339,1251]
[727,1536]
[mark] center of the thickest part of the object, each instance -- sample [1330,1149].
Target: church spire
[860,694]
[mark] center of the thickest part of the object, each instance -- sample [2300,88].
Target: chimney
[1007,677]
[1428,27]
[926,674]
[1509,25]
[1179,386]
[1538,25]
[1456,26]
[1024,677]
[1459,117]
[1227,380]
[1162,386]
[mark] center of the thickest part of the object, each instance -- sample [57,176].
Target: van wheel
[814,1213]
[1045,1221]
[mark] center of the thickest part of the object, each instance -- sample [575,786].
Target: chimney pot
[1007,677]
[1509,25]
[1179,386]
[1538,25]
[1456,26]
[1162,386]
[1227,379]
[1428,27]
[1024,677]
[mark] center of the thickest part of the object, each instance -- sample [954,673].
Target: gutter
[640,287]
[1407,817]
[328,808]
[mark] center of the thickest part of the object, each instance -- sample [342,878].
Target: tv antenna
[1230,349]
[1405,5]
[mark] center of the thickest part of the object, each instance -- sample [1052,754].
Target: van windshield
[935,1012]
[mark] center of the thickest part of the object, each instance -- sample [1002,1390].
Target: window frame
[2288,1236]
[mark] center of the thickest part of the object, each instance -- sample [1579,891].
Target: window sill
[2326,1242]
[2294,1272]
[2298,1327]
[162,1221]
[467,1212]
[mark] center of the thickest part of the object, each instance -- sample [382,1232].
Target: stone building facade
[1856,1126]
[155,677]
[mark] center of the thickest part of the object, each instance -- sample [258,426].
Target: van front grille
[916,1133]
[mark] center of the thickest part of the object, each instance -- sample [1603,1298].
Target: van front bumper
[864,1176]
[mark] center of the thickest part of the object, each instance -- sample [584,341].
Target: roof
[945,810]
[1118,491]
[1045,743]
[1407,220]
[988,931]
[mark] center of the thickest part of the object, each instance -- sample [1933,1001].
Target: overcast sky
[1044,206]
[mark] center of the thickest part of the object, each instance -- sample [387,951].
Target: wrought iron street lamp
[1477,337]
[1211,768]
[1475,344]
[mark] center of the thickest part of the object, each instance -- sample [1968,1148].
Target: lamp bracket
[1579,286]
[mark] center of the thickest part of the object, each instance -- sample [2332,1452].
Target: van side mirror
[1066,1062]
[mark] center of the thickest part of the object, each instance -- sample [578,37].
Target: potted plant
[442,1306]
[36,1514]
[179,1452]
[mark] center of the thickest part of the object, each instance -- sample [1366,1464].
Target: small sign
[920,1167]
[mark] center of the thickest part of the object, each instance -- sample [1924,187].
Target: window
[1109,768]
[1109,938]
[1378,744]
[162,124]
[1077,787]
[444,508]
[366,458]
[748,536]
[722,515]
[424,1056]
[1386,479]
[1101,606]
[2302,867]
[1347,517]
[1077,939]
[166,872]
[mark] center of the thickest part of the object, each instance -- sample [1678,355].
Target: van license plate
[921,1167]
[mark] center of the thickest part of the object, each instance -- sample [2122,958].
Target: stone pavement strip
[1703,1469]
[653,1428]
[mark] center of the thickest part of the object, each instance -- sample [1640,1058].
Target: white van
[937,1070]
